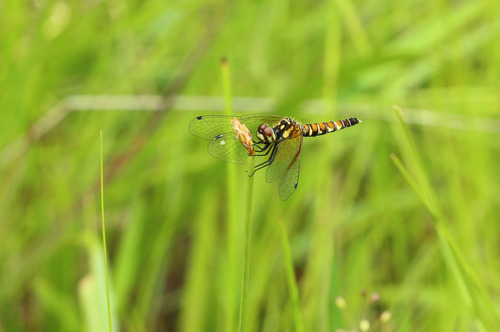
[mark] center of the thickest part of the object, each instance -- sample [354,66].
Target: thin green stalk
[354,26]
[412,183]
[104,243]
[226,84]
[292,285]
[232,238]
[248,238]
[331,65]
[332,59]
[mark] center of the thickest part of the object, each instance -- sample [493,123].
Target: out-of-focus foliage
[355,225]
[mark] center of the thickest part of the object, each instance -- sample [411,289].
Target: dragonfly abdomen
[322,128]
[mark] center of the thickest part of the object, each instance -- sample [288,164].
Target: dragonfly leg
[267,148]
[268,161]
[263,148]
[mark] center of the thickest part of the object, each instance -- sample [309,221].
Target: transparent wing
[223,141]
[210,126]
[226,147]
[290,179]
[288,153]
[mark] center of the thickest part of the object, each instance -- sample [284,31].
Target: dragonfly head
[266,133]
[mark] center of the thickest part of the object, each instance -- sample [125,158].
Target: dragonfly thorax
[266,133]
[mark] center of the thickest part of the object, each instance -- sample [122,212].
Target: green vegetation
[394,222]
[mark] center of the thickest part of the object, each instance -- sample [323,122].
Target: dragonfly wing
[290,180]
[210,126]
[228,148]
[288,153]
[224,143]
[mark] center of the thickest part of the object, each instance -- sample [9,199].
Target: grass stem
[232,238]
[104,243]
[290,276]
[246,254]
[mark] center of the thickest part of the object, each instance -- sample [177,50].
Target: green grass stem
[290,276]
[232,237]
[354,26]
[226,84]
[248,240]
[331,66]
[104,242]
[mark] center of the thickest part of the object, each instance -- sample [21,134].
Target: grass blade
[104,243]
[248,240]
[232,208]
[470,287]
[290,276]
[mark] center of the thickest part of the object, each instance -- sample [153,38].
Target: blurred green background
[423,237]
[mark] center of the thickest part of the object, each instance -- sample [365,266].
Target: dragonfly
[277,141]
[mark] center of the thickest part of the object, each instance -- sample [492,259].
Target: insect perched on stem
[274,141]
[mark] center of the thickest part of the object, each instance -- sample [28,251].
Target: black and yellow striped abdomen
[316,129]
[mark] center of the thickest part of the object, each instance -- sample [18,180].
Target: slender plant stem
[104,244]
[292,285]
[232,219]
[248,238]
[226,83]
[327,273]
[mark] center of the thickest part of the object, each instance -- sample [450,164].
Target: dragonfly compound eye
[266,133]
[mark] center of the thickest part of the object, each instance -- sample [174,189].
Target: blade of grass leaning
[246,253]
[423,189]
[354,26]
[232,237]
[104,243]
[290,276]
[331,66]
[471,289]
